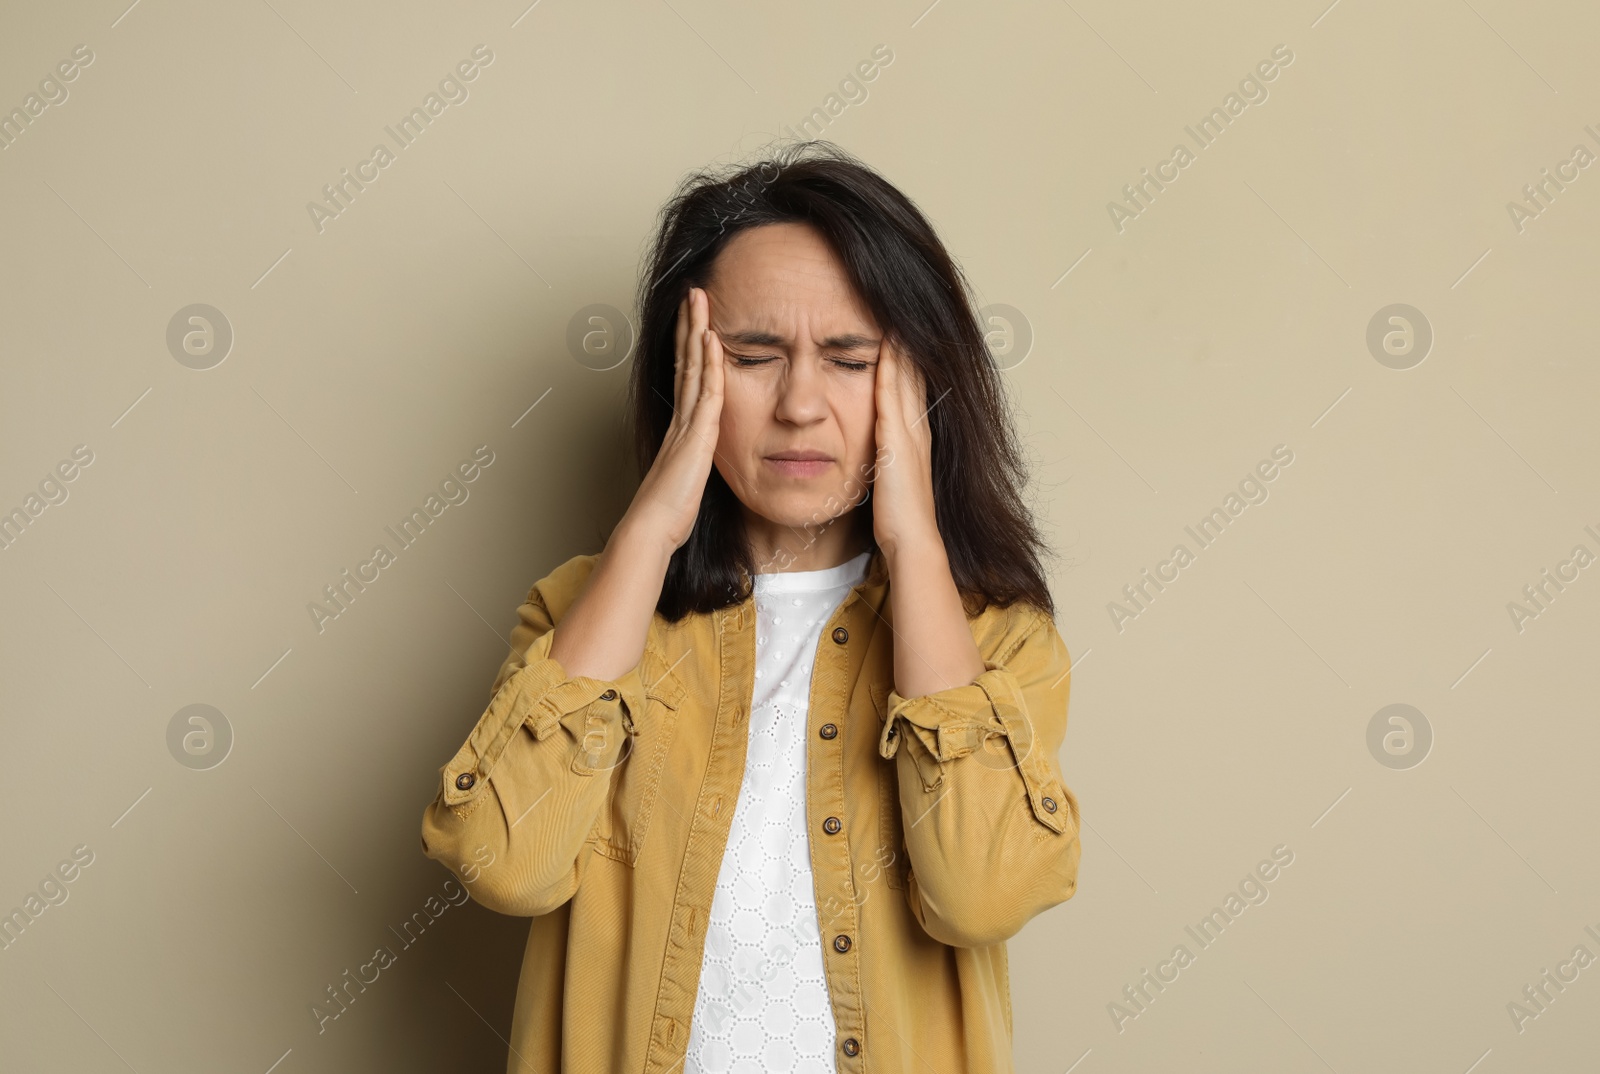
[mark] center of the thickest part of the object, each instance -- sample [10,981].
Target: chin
[799,510]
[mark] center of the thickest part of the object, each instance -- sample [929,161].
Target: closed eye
[842,363]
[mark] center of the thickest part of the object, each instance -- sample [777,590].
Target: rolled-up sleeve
[521,801]
[990,825]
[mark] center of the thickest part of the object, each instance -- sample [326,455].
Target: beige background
[1228,718]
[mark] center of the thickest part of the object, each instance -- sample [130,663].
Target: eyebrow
[850,341]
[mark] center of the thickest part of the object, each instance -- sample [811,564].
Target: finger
[711,349]
[888,378]
[714,369]
[694,351]
[917,393]
[680,341]
[880,401]
[907,383]
[916,398]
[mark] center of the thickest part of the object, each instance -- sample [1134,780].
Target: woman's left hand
[903,507]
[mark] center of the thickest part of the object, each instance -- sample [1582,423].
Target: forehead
[779,278]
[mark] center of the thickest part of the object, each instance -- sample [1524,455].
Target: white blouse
[762,1006]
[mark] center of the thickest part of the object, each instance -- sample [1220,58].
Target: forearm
[990,826]
[933,645]
[983,866]
[525,790]
[603,634]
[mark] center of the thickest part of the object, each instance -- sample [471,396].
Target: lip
[800,463]
[805,455]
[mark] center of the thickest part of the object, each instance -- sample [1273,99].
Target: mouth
[800,463]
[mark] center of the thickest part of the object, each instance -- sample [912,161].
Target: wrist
[641,538]
[924,549]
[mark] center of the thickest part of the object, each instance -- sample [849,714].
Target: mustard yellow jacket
[939,825]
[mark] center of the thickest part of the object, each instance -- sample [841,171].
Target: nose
[802,398]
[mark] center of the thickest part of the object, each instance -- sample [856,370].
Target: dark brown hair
[918,296]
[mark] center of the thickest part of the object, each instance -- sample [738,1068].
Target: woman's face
[800,374]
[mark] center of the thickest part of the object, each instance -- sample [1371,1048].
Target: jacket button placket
[696,882]
[839,851]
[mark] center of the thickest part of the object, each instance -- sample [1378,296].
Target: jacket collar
[872,588]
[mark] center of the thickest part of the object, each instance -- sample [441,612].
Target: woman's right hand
[668,500]
[604,632]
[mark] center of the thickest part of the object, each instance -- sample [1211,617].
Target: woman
[775,773]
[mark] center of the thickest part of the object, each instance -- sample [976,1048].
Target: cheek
[738,424]
[859,418]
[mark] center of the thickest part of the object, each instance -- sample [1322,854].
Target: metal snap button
[465,781]
[850,1046]
[831,825]
[609,695]
[1049,804]
[827,730]
[841,943]
[841,635]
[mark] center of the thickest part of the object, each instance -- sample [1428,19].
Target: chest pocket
[890,853]
[635,782]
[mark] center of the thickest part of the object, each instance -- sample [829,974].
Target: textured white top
[762,1006]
